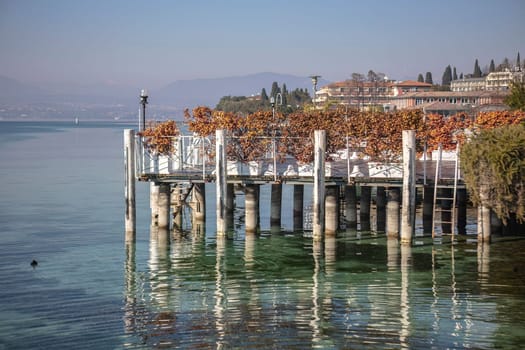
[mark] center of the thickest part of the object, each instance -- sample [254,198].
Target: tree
[505,64]
[477,71]
[454,74]
[275,89]
[493,161]
[264,95]
[420,78]
[518,64]
[447,76]
[492,67]
[285,95]
[428,78]
[516,99]
[461,76]
[372,76]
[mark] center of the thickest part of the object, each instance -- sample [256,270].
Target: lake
[62,204]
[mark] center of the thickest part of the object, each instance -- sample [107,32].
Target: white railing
[195,155]
[189,154]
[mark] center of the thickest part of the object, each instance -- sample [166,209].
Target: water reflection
[287,291]
[406,264]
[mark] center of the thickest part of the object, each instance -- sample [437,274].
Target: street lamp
[143,102]
[314,83]
[273,100]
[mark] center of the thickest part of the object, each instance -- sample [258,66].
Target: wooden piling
[129,189]
[251,208]
[298,207]
[351,207]
[319,183]
[331,210]
[392,212]
[221,181]
[408,215]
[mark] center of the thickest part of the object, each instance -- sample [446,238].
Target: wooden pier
[182,175]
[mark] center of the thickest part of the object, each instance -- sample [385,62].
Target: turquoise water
[61,203]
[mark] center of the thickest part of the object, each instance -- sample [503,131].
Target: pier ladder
[438,219]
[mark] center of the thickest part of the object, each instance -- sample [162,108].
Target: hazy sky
[152,43]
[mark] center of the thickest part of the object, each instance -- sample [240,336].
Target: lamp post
[314,83]
[278,99]
[347,144]
[143,103]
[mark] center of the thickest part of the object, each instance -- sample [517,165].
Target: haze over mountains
[176,96]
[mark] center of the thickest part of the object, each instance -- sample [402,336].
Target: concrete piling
[251,198]
[298,207]
[276,205]
[199,202]
[220,183]
[331,210]
[351,207]
[364,207]
[392,212]
[462,211]
[428,208]
[319,183]
[380,209]
[129,188]
[408,216]
[164,206]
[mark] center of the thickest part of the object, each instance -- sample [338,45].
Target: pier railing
[193,157]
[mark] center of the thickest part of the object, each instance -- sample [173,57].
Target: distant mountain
[11,89]
[208,92]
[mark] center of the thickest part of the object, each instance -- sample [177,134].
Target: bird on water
[34,263]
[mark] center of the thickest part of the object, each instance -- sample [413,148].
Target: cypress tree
[447,76]
[492,67]
[477,70]
[518,64]
[275,89]
[454,75]
[420,78]
[284,94]
[264,95]
[461,76]
[428,78]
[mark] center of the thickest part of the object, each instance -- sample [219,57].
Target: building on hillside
[465,101]
[357,94]
[502,80]
[491,82]
[407,86]
[468,84]
[444,109]
[411,94]
[366,94]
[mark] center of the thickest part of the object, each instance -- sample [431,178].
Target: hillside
[190,93]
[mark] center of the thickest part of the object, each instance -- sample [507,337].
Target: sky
[153,43]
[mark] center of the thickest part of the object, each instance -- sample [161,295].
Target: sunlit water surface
[61,203]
